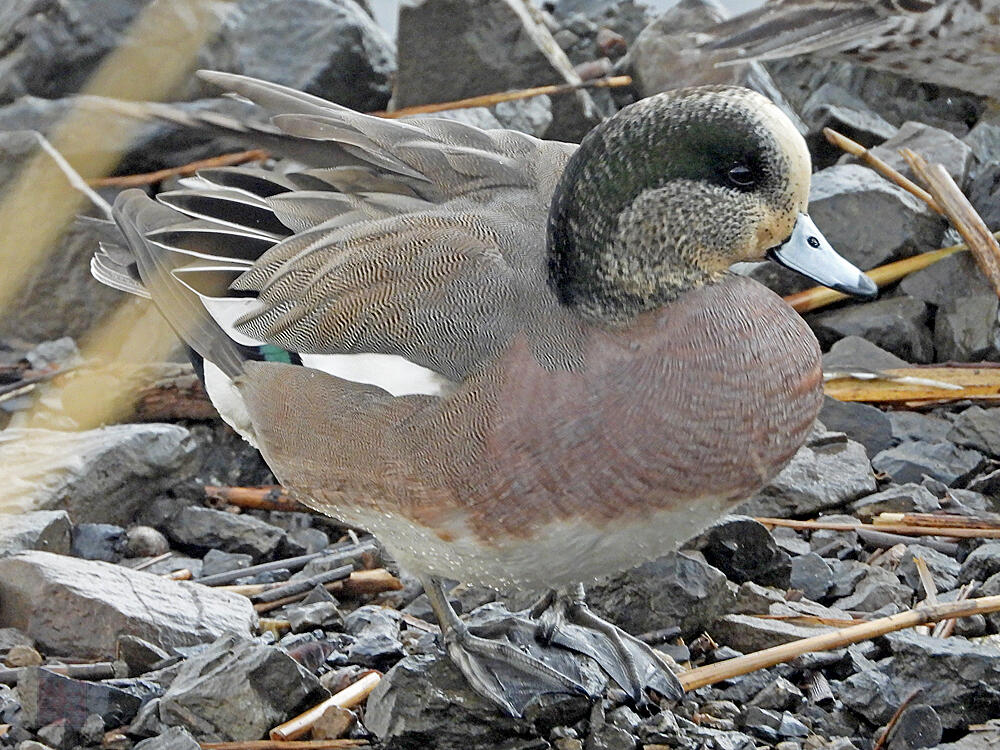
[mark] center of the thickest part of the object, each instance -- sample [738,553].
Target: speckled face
[669,193]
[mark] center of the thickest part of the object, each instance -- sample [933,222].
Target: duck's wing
[783,28]
[421,240]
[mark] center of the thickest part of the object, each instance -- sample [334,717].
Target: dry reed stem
[488,100]
[920,615]
[931,519]
[980,381]
[257,498]
[950,531]
[283,745]
[890,173]
[184,170]
[349,697]
[961,214]
[926,580]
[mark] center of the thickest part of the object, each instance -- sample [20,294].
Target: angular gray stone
[861,422]
[102,476]
[330,48]
[237,689]
[307,617]
[966,329]
[677,589]
[832,106]
[846,574]
[217,561]
[978,428]
[899,498]
[47,530]
[944,569]
[896,324]
[376,632]
[46,697]
[747,633]
[912,425]
[744,550]
[984,193]
[174,738]
[939,282]
[911,461]
[812,575]
[879,588]
[819,476]
[868,219]
[856,352]
[79,608]
[11,637]
[493,45]
[98,541]
[232,532]
[935,145]
[145,541]
[918,726]
[981,563]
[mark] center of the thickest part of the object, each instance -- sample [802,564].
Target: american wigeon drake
[514,361]
[947,42]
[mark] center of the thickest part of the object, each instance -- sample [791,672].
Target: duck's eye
[740,175]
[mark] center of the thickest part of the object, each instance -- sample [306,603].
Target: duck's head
[670,192]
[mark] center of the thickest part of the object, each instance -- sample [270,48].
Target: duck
[515,361]
[946,42]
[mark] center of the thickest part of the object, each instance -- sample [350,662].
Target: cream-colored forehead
[790,141]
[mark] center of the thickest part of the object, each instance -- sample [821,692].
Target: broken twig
[349,697]
[185,170]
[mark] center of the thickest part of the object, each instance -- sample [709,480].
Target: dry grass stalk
[952,531]
[890,173]
[961,214]
[152,561]
[178,575]
[980,382]
[933,519]
[257,498]
[488,100]
[360,582]
[830,622]
[351,696]
[282,745]
[4,728]
[865,631]
[945,628]
[926,580]
[185,170]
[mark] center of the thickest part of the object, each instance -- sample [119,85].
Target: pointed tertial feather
[114,266]
[229,208]
[210,241]
[252,181]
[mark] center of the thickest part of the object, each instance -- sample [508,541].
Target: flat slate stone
[47,530]
[79,608]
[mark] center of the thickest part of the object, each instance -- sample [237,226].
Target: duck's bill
[808,252]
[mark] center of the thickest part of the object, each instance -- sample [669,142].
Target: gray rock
[790,540]
[217,561]
[899,498]
[744,550]
[237,689]
[896,324]
[311,540]
[677,589]
[326,615]
[102,476]
[912,425]
[832,106]
[47,530]
[933,144]
[747,633]
[140,655]
[981,563]
[944,569]
[856,352]
[978,428]
[79,607]
[988,484]
[205,528]
[532,116]
[966,329]
[819,476]
[812,575]
[331,48]
[930,664]
[59,734]
[918,726]
[779,695]
[986,740]
[879,588]
[983,193]
[11,637]
[846,575]
[868,219]
[174,738]
[861,422]
[492,46]
[98,541]
[46,697]
[911,461]
[376,632]
[145,541]
[940,282]
[754,599]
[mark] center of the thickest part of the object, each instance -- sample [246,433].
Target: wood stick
[890,173]
[102,670]
[960,533]
[921,615]
[345,551]
[184,574]
[177,398]
[934,519]
[961,214]
[283,745]
[980,382]
[488,100]
[152,561]
[257,498]
[306,584]
[926,580]
[887,541]
[349,697]
[946,627]
[185,170]
[360,582]
[821,296]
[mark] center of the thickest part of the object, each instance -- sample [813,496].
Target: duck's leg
[565,620]
[495,668]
